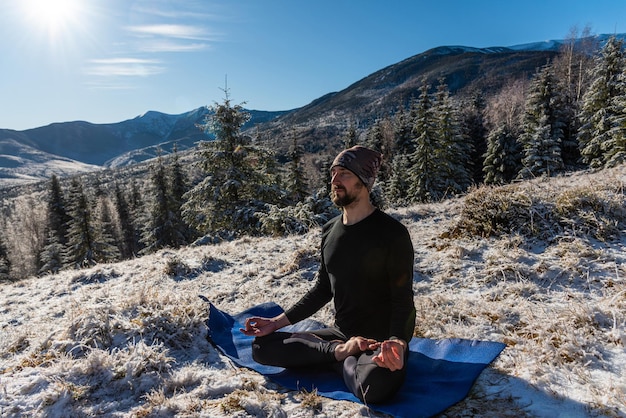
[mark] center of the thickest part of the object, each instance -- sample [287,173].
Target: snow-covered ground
[129,339]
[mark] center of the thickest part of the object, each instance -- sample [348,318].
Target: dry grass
[540,210]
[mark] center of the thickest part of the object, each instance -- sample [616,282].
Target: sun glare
[51,16]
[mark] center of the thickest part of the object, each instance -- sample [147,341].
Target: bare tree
[24,235]
[506,107]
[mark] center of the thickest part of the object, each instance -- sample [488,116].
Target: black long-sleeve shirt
[367,269]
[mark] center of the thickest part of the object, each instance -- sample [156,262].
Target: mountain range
[76,147]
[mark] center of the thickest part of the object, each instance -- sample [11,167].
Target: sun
[52,16]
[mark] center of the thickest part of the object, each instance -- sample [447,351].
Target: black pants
[366,380]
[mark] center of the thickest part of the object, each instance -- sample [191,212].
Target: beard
[347,198]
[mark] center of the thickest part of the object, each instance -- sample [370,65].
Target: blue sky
[105,61]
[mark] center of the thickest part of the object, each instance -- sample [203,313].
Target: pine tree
[296,182]
[424,173]
[542,130]
[454,148]
[57,212]
[600,108]
[239,184]
[350,139]
[79,249]
[178,186]
[128,233]
[162,225]
[474,130]
[403,147]
[138,214]
[402,132]
[50,258]
[105,236]
[326,178]
[375,138]
[52,255]
[615,153]
[502,158]
[396,190]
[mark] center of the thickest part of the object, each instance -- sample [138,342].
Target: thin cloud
[166,45]
[177,13]
[171,38]
[172,31]
[150,39]
[124,67]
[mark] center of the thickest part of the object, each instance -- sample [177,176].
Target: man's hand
[256,326]
[354,346]
[391,355]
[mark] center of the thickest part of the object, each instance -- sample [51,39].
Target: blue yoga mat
[440,373]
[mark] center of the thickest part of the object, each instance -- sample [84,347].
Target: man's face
[345,186]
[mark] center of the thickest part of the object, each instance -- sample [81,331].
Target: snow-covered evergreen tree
[471,115]
[297,185]
[350,139]
[402,131]
[79,249]
[163,225]
[502,158]
[299,216]
[375,138]
[138,213]
[615,153]
[106,237]
[454,147]
[439,166]
[52,255]
[424,174]
[601,110]
[178,185]
[542,129]
[238,185]
[50,258]
[325,178]
[397,186]
[128,234]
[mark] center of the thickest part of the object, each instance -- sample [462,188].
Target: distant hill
[75,147]
[21,163]
[72,147]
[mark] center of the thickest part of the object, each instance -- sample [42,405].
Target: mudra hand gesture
[391,355]
[257,326]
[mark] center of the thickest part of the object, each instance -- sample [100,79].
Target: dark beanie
[362,161]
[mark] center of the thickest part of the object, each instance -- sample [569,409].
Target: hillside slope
[129,339]
[21,163]
[321,125]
